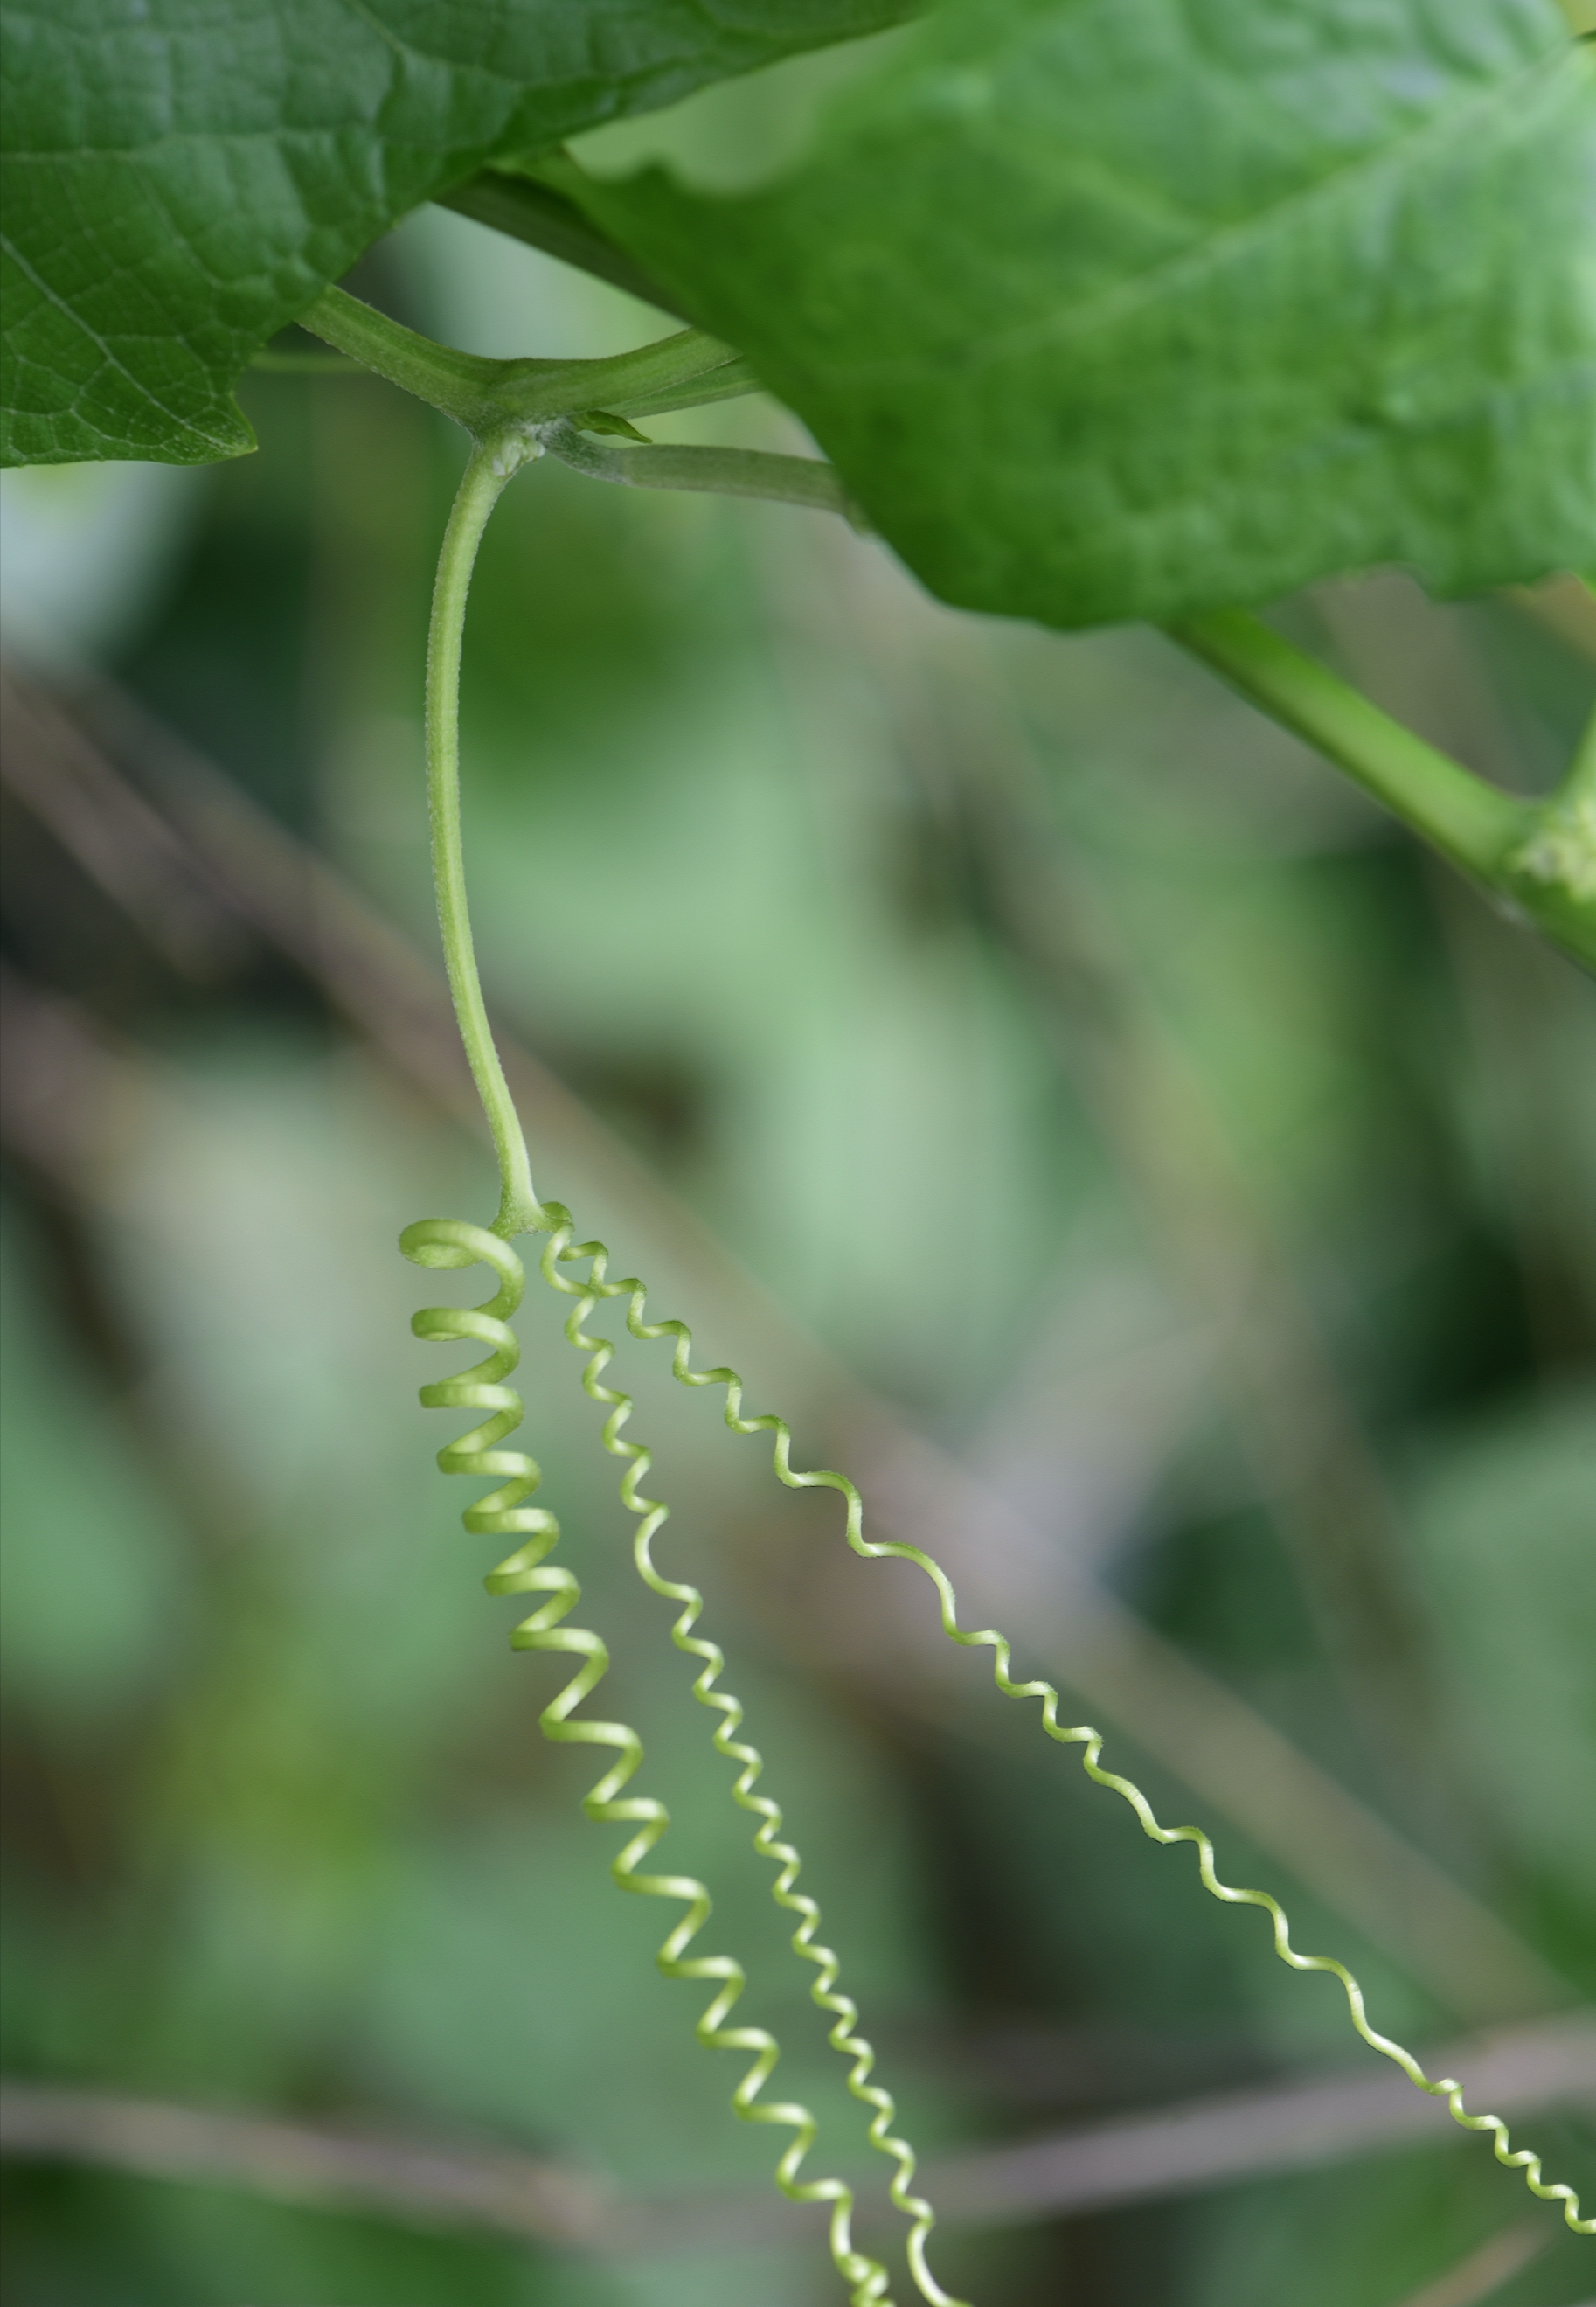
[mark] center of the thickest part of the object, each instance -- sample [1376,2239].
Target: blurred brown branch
[113,835]
[513,2194]
[1290,2126]
[1565,605]
[1171,2152]
[184,825]
[1486,2269]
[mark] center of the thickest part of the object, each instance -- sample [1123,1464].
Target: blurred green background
[1016,1023]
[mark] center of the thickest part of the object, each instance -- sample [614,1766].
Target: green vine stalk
[491,464]
[1538,857]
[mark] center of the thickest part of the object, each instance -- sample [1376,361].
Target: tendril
[844,2035]
[448,1242]
[452,1242]
[562,1247]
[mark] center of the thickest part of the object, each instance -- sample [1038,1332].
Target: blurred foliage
[972,985]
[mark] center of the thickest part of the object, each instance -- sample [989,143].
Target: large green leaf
[1124,308]
[182,176]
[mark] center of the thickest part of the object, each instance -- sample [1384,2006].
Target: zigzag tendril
[844,2035]
[452,1242]
[562,1248]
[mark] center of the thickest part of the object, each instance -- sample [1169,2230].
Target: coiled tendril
[452,1242]
[562,1248]
[844,2036]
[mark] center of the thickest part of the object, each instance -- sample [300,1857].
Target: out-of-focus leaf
[1504,1520]
[92,1563]
[181,177]
[1126,308]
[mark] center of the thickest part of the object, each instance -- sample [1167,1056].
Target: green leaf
[1131,308]
[182,177]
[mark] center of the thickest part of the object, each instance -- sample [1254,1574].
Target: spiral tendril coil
[844,2035]
[562,1247]
[455,1243]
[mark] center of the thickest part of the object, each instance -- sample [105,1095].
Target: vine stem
[1537,857]
[497,454]
[721,472]
[493,461]
[485,394]
[1471,822]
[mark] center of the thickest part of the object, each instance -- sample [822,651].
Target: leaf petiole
[724,472]
[1539,858]
[460,384]
[484,395]
[545,403]
[731,381]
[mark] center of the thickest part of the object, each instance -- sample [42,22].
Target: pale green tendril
[454,1243]
[1080,1734]
[844,2036]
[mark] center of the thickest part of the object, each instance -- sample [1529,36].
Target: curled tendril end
[454,1243]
